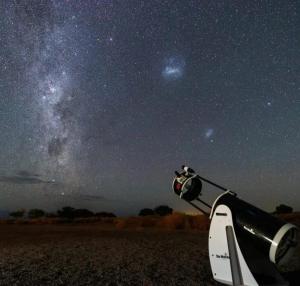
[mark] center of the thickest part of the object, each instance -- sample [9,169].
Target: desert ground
[89,254]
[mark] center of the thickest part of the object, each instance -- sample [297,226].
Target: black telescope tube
[254,223]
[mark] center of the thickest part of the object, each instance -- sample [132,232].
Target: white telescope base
[226,260]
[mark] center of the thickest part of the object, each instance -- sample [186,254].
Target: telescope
[246,244]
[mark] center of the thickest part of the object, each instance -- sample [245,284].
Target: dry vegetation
[174,221]
[293,218]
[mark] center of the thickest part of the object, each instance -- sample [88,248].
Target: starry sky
[100,101]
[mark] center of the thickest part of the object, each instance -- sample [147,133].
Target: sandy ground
[90,255]
[87,255]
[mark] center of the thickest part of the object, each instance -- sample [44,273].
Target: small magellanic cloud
[209,133]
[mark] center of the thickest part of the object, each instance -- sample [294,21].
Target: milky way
[53,98]
[101,100]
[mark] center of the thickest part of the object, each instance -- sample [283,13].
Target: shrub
[21,221]
[174,221]
[148,221]
[186,222]
[36,213]
[17,214]
[283,209]
[52,220]
[293,218]
[199,222]
[51,215]
[86,220]
[105,214]
[82,213]
[66,212]
[108,220]
[163,210]
[145,212]
[130,222]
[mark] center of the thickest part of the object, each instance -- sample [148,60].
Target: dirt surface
[90,255]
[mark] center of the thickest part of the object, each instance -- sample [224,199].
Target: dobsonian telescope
[246,244]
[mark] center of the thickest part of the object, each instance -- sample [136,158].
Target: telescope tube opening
[187,188]
[283,244]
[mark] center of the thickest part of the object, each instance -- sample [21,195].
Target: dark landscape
[119,251]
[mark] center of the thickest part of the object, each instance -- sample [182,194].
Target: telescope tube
[271,235]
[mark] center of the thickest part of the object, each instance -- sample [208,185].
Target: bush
[174,221]
[51,215]
[82,213]
[17,214]
[163,210]
[108,220]
[36,213]
[186,222]
[129,222]
[86,220]
[145,212]
[52,220]
[293,218]
[149,221]
[199,222]
[105,214]
[66,212]
[283,209]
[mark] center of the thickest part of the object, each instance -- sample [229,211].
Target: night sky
[100,101]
